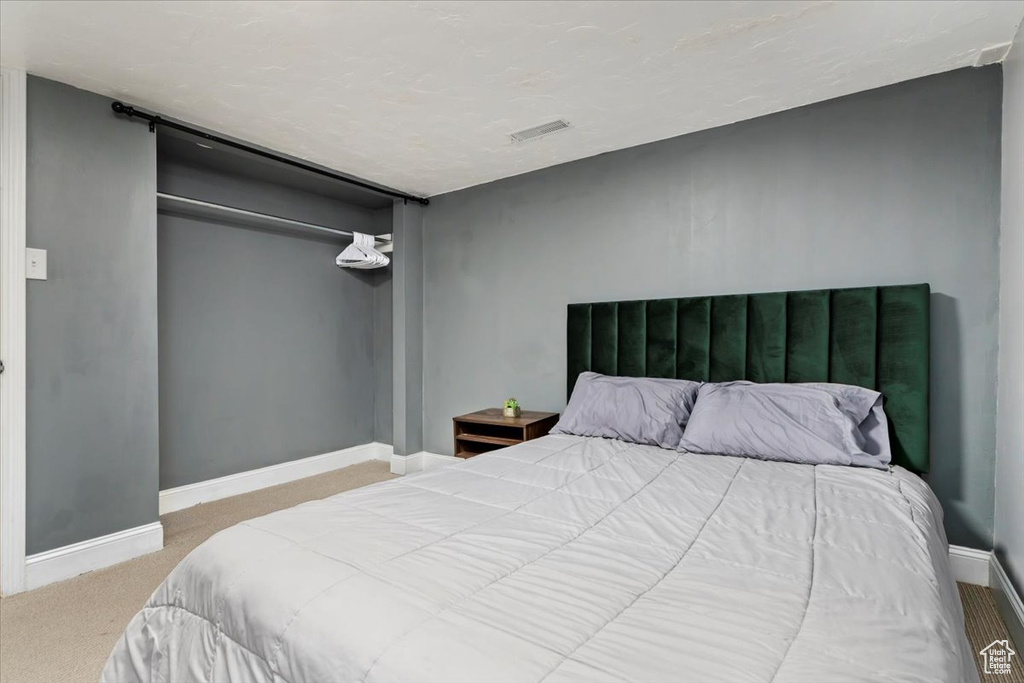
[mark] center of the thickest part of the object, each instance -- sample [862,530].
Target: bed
[570,558]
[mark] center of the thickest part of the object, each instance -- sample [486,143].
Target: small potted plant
[512,407]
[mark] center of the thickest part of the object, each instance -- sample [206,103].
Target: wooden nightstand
[487,430]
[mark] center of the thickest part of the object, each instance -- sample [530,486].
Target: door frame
[13,106]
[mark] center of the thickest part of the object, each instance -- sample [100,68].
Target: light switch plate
[35,264]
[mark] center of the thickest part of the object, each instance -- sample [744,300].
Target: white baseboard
[970,565]
[406,464]
[1008,600]
[96,553]
[417,462]
[183,497]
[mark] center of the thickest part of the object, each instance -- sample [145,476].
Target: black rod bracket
[155,120]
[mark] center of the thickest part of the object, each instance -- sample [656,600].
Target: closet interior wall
[268,352]
[383,329]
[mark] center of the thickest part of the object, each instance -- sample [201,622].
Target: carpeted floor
[64,632]
[985,625]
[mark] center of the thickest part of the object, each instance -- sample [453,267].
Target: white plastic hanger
[361,254]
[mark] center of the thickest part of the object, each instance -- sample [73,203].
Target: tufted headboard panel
[874,337]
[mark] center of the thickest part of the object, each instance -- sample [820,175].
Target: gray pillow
[642,410]
[814,423]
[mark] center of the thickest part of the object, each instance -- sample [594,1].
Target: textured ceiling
[421,96]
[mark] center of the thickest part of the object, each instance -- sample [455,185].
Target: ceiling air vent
[539,131]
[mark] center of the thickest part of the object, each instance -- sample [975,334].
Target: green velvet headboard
[875,337]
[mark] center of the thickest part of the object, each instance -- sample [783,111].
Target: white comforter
[571,559]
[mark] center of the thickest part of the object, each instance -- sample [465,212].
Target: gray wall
[266,347]
[1009,522]
[92,326]
[383,349]
[408,328]
[896,185]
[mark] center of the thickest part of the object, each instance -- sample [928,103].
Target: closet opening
[268,351]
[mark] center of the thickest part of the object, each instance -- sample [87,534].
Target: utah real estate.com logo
[997,657]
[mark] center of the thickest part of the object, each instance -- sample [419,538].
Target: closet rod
[155,120]
[173,199]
